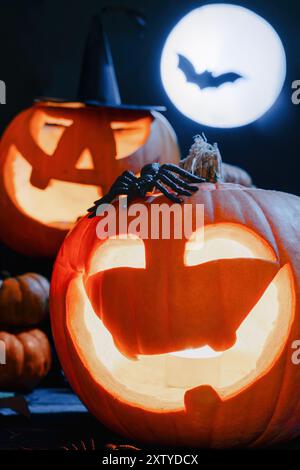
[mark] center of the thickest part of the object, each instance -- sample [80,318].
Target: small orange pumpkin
[23,300]
[174,342]
[27,359]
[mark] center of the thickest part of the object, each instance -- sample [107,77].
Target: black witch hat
[98,84]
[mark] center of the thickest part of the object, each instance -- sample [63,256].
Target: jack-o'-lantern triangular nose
[98,80]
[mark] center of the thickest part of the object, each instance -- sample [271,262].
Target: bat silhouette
[205,79]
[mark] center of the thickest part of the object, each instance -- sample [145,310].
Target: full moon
[223,39]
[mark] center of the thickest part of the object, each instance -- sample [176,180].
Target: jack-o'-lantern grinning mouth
[58,205]
[160,381]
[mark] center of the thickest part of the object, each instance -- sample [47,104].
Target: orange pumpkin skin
[23,300]
[84,128]
[265,411]
[28,359]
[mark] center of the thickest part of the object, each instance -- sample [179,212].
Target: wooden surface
[58,420]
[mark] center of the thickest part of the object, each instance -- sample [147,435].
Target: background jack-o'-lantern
[57,157]
[180,343]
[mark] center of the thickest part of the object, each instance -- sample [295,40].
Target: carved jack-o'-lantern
[56,160]
[58,156]
[179,342]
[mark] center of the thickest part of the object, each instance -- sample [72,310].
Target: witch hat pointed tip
[98,81]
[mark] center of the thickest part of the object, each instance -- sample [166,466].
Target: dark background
[41,48]
[41,45]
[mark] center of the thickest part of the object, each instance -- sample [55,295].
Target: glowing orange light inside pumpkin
[62,202]
[159,382]
[119,252]
[226,241]
[129,136]
[59,205]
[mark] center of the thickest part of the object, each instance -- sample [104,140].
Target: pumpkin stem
[204,160]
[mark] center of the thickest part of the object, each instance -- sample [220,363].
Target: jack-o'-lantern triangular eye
[130,135]
[225,241]
[118,252]
[47,131]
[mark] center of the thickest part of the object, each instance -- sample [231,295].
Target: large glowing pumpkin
[177,342]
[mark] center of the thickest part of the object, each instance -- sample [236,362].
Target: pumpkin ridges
[291,375]
[43,282]
[23,300]
[227,207]
[271,434]
[265,201]
[260,216]
[15,359]
[236,175]
[34,297]
[35,363]
[28,359]
[233,427]
[10,301]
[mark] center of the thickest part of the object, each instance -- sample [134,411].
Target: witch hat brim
[66,101]
[98,84]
